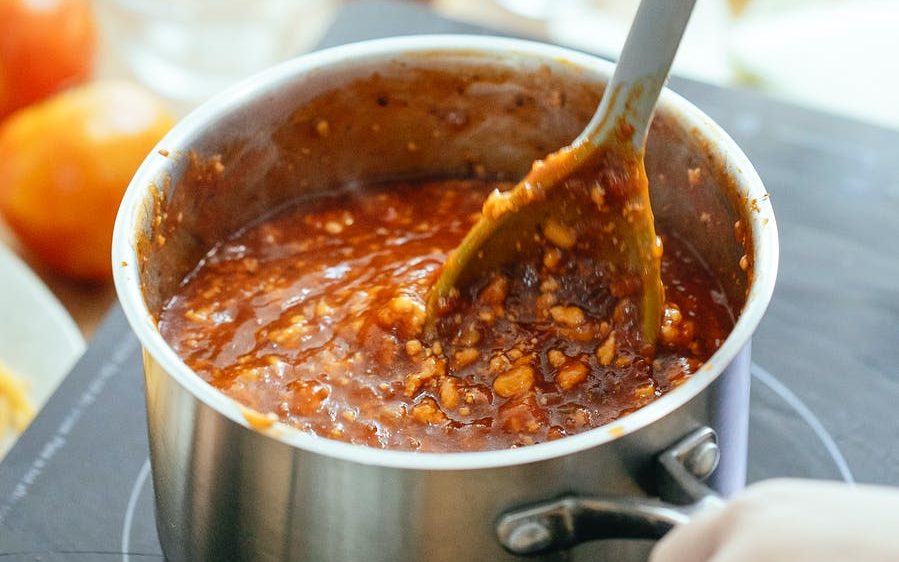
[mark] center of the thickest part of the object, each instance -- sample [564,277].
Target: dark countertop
[826,379]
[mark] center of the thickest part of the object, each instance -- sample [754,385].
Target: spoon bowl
[592,195]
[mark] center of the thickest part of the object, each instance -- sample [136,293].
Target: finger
[695,541]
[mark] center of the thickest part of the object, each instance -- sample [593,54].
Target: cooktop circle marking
[779,388]
[129,511]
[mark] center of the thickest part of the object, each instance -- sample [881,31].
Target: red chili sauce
[315,314]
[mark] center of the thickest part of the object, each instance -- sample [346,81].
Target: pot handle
[572,519]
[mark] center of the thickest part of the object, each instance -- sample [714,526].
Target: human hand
[792,521]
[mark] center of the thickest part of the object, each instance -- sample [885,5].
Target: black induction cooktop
[826,357]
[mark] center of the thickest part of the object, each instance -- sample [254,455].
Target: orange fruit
[64,165]
[45,45]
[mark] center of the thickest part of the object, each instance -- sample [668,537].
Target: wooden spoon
[594,192]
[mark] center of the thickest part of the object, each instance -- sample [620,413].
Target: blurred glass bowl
[187,50]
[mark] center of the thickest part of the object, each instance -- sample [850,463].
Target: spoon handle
[641,72]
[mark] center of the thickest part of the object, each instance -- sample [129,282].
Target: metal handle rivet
[703,459]
[528,537]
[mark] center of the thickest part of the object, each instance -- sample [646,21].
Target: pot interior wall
[423,115]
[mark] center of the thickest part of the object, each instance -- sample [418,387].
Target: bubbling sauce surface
[314,315]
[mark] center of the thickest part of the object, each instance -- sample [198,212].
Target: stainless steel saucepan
[232,486]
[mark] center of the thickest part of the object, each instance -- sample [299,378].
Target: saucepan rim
[128,286]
